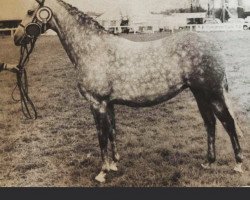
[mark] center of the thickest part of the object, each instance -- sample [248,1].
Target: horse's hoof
[101,177]
[106,167]
[206,166]
[113,166]
[238,168]
[89,155]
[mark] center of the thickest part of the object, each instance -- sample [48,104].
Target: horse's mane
[81,17]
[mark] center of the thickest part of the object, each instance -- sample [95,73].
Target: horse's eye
[30,12]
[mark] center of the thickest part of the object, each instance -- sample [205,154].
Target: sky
[13,8]
[139,5]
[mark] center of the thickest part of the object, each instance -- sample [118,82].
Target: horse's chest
[95,79]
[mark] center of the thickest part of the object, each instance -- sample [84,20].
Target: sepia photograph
[124,93]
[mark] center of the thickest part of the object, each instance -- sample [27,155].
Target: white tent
[137,20]
[145,22]
[112,18]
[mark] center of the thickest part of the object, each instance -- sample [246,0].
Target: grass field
[160,146]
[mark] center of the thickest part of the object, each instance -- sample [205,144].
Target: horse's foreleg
[103,129]
[221,111]
[207,114]
[112,136]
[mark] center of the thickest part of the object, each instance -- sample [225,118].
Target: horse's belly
[143,92]
[146,80]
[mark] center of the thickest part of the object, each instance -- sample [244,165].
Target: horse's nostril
[17,41]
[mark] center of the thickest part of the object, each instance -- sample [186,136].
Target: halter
[39,23]
[32,30]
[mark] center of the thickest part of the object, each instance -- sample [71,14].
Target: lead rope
[28,107]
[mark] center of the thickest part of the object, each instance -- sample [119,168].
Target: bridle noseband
[39,23]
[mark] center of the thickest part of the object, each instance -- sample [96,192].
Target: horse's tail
[230,108]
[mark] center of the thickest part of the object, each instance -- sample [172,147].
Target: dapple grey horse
[113,70]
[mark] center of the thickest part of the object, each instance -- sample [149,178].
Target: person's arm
[8,67]
[2,66]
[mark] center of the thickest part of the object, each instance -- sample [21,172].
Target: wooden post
[213,11]
[223,11]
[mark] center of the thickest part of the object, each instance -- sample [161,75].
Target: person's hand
[12,68]
[1,66]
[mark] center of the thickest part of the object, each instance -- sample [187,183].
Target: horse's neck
[76,39]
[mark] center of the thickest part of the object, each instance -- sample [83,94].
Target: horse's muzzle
[17,41]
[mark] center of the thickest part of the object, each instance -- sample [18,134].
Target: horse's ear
[41,2]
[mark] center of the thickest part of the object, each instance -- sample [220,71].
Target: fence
[133,29]
[195,27]
[11,30]
[217,27]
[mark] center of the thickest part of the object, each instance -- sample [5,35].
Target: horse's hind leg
[112,137]
[207,114]
[231,111]
[221,111]
[103,129]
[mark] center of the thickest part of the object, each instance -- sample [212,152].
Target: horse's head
[36,22]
